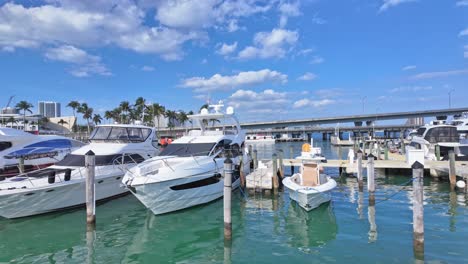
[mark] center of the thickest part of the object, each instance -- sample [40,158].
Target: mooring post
[452,170]
[281,164]
[437,150]
[371,179]
[21,165]
[378,151]
[386,151]
[359,170]
[291,155]
[418,210]
[90,165]
[227,198]
[251,156]
[403,147]
[274,176]
[255,161]
[241,171]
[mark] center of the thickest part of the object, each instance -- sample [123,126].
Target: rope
[397,192]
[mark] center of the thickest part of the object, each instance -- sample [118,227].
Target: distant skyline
[271,60]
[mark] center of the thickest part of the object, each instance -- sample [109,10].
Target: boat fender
[51,177]
[67,174]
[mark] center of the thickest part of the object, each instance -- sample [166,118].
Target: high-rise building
[49,109]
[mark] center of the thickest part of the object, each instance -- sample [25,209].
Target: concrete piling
[90,165]
[452,170]
[418,210]
[227,199]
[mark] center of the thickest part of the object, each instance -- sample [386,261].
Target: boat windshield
[420,131]
[187,149]
[442,134]
[120,134]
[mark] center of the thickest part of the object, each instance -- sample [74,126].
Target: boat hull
[309,198]
[57,196]
[160,198]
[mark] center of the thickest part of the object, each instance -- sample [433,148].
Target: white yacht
[311,153]
[38,151]
[461,122]
[190,171]
[259,138]
[117,149]
[436,133]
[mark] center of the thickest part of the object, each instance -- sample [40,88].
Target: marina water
[265,230]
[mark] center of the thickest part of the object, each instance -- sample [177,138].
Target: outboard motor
[67,176]
[51,177]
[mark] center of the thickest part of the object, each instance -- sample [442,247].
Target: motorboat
[461,122]
[117,149]
[259,138]
[309,188]
[436,133]
[336,140]
[36,151]
[190,171]
[311,153]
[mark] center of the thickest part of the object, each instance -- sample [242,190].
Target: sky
[271,60]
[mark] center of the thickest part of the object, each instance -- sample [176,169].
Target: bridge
[312,125]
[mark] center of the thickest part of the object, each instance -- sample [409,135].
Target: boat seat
[310,174]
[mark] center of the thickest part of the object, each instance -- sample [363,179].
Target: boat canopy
[214,114]
[120,134]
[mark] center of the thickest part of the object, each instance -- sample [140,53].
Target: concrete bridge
[312,125]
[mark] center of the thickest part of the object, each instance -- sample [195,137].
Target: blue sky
[269,59]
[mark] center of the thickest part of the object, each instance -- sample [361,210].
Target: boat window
[421,131]
[54,143]
[120,134]
[101,160]
[415,145]
[100,133]
[196,184]
[442,134]
[5,145]
[187,149]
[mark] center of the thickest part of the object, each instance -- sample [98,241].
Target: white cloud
[408,68]
[97,23]
[462,3]
[84,63]
[312,103]
[266,100]
[318,20]
[308,76]
[463,32]
[305,51]
[329,93]
[410,89]
[465,53]
[220,82]
[195,14]
[288,10]
[392,3]
[226,49]
[270,44]
[317,60]
[147,68]
[440,74]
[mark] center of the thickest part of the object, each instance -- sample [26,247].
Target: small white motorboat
[309,188]
[311,153]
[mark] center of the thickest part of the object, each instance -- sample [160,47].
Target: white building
[49,109]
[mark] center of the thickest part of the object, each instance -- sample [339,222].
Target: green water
[265,230]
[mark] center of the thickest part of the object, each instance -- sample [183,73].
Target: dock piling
[418,210]
[386,151]
[359,170]
[255,161]
[437,150]
[275,182]
[281,163]
[452,170]
[371,179]
[227,199]
[291,156]
[90,165]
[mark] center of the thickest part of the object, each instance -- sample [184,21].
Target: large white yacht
[190,170]
[117,149]
[461,122]
[37,151]
[436,133]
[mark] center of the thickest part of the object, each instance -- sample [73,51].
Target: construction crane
[9,101]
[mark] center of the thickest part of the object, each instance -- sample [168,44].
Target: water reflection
[310,229]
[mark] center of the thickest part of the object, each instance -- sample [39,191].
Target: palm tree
[87,113]
[125,107]
[172,116]
[190,120]
[97,119]
[25,106]
[109,115]
[116,113]
[140,107]
[182,117]
[158,111]
[74,105]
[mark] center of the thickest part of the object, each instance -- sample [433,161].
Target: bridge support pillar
[324,136]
